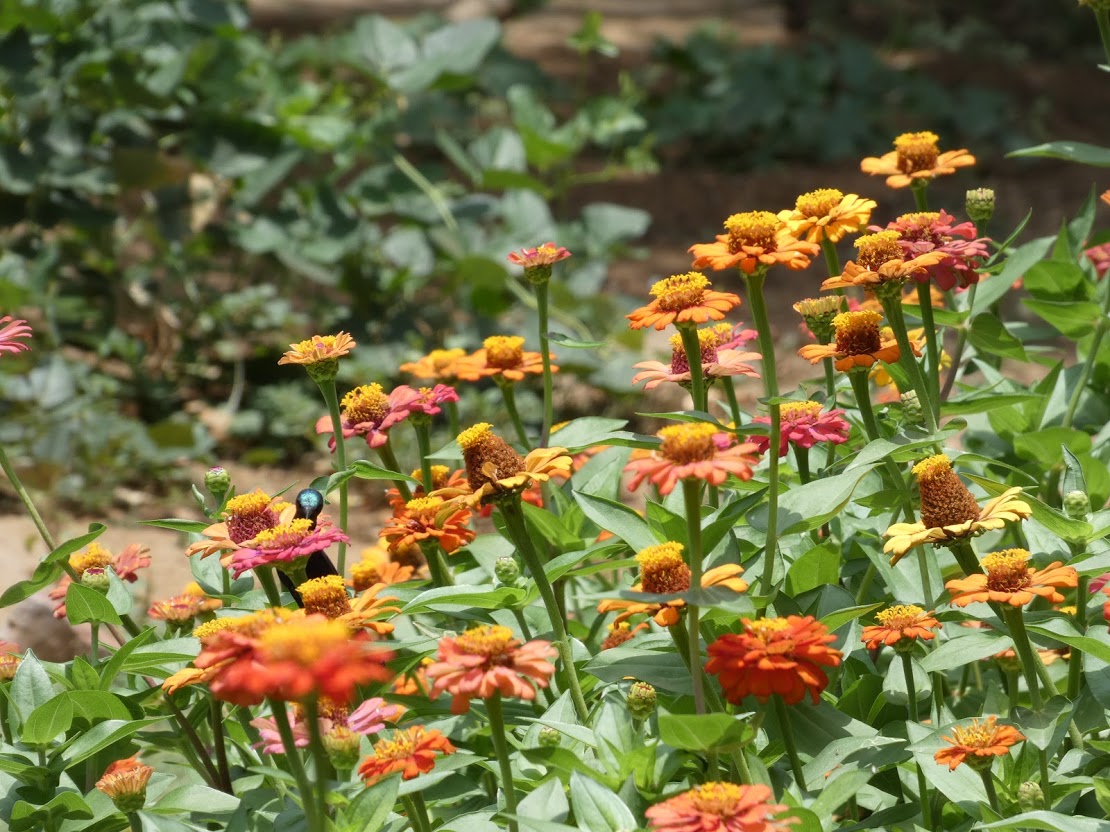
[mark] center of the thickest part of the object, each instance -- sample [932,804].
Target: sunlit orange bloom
[217,634]
[915,157]
[376,566]
[502,356]
[827,214]
[442,477]
[244,517]
[411,751]
[715,362]
[881,260]
[319,348]
[621,632]
[429,518]
[183,608]
[978,744]
[125,781]
[440,365]
[9,660]
[858,343]
[688,451]
[1009,579]
[682,298]
[900,624]
[486,660]
[663,571]
[774,655]
[367,608]
[949,512]
[720,807]
[414,682]
[754,240]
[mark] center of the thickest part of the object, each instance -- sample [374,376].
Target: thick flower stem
[417,812]
[783,716]
[858,380]
[691,492]
[801,461]
[452,417]
[692,347]
[501,747]
[733,404]
[265,575]
[920,198]
[832,259]
[771,389]
[911,689]
[424,443]
[296,766]
[988,784]
[1075,664]
[830,400]
[1016,625]
[932,348]
[389,459]
[216,716]
[514,414]
[514,523]
[923,798]
[437,564]
[321,766]
[893,309]
[545,355]
[958,354]
[965,557]
[134,822]
[327,390]
[1088,366]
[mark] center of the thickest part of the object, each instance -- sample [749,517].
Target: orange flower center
[680,291]
[917,151]
[94,557]
[618,635]
[663,569]
[482,450]
[794,411]
[283,536]
[303,641]
[400,746]
[493,641]
[326,596]
[443,359]
[504,351]
[754,229]
[819,203]
[900,617]
[707,341]
[688,442]
[876,249]
[857,333]
[945,500]
[767,629]
[976,735]
[1008,570]
[209,628]
[366,403]
[720,799]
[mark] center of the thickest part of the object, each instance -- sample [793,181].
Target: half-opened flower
[1009,579]
[439,365]
[12,331]
[978,744]
[429,518]
[827,214]
[938,232]
[916,157]
[900,626]
[368,412]
[286,543]
[125,781]
[495,471]
[367,609]
[754,240]
[804,424]
[858,343]
[182,609]
[429,399]
[683,298]
[537,262]
[411,751]
[502,358]
[688,451]
[720,807]
[715,361]
[880,261]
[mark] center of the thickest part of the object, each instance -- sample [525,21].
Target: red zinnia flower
[720,807]
[411,751]
[804,424]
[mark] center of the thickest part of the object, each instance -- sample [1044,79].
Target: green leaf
[618,519]
[61,806]
[1020,260]
[573,343]
[809,506]
[49,720]
[820,565]
[664,670]
[196,798]
[1064,527]
[30,689]
[835,620]
[546,802]
[838,790]
[966,649]
[1074,480]
[100,737]
[596,808]
[371,807]
[50,567]
[1046,729]
[989,335]
[113,666]
[451,598]
[1073,319]
[174,524]
[1094,643]
[981,402]
[1043,444]
[691,732]
[1081,152]
[1056,280]
[1049,822]
[85,604]
[587,432]
[84,675]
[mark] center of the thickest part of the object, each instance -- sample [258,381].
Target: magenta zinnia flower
[371,716]
[271,742]
[429,399]
[11,330]
[804,425]
[546,255]
[934,231]
[716,361]
[367,411]
[285,543]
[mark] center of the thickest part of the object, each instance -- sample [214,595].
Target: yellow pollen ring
[365,403]
[474,435]
[246,505]
[795,410]
[663,556]
[1007,564]
[492,640]
[766,629]
[421,505]
[720,799]
[900,616]
[680,291]
[304,640]
[753,228]
[688,442]
[818,203]
[933,466]
[293,531]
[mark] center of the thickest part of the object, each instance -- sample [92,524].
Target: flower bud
[1030,796]
[323,372]
[217,481]
[9,664]
[507,570]
[549,737]
[95,577]
[641,700]
[341,745]
[911,408]
[1077,504]
[980,205]
[125,782]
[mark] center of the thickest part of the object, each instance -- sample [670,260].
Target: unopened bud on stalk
[1077,504]
[95,578]
[980,205]
[341,745]
[641,700]
[217,481]
[911,408]
[1030,796]
[507,570]
[549,737]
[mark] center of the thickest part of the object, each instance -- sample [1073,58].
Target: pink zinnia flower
[271,742]
[128,562]
[1100,258]
[11,330]
[429,399]
[371,716]
[804,424]
[546,255]
[690,450]
[716,362]
[367,411]
[934,231]
[285,543]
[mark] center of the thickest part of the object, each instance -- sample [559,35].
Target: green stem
[1016,624]
[893,309]
[28,504]
[265,575]
[1046,780]
[4,727]
[830,400]
[832,259]
[518,532]
[514,415]
[1075,665]
[453,418]
[911,689]
[545,355]
[920,198]
[327,390]
[858,380]
[691,493]
[94,643]
[437,564]
[1103,18]
[988,784]
[135,822]
[965,557]
[321,767]
[389,459]
[932,347]
[771,389]
[692,346]
[417,812]
[923,797]
[923,573]
[957,356]
[801,460]
[217,720]
[1088,367]
[296,766]
[501,746]
[783,716]
[1012,688]
[733,405]
[202,765]
[424,443]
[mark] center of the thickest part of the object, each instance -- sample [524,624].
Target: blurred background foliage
[182,195]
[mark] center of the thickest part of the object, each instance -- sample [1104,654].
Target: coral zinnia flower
[880,261]
[371,716]
[440,365]
[1010,580]
[366,608]
[494,470]
[915,157]
[367,411]
[978,744]
[486,660]
[504,357]
[804,424]
[411,751]
[377,567]
[319,348]
[720,807]
[827,214]
[244,517]
[1100,258]
[689,451]
[183,608]
[663,571]
[715,362]
[900,625]
[429,518]
[682,298]
[755,240]
[774,655]
[125,781]
[858,343]
[126,565]
[294,539]
[537,262]
[621,632]
[937,231]
[270,740]
[11,330]
[429,399]
[949,512]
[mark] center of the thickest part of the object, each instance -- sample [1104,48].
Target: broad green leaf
[693,732]
[587,432]
[839,789]
[617,518]
[1073,319]
[30,689]
[1045,444]
[820,565]
[49,720]
[1017,263]
[119,596]
[1056,280]
[371,806]
[809,506]
[452,597]
[113,666]
[596,808]
[1094,643]
[195,798]
[546,802]
[664,670]
[835,620]
[1047,728]
[961,651]
[63,805]
[981,402]
[1049,822]
[100,737]
[989,335]
[174,524]
[85,604]
[83,674]
[1069,151]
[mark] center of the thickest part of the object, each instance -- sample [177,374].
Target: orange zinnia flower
[182,609]
[486,660]
[377,567]
[440,365]
[621,632]
[689,451]
[366,608]
[720,807]
[774,655]
[858,343]
[429,518]
[125,781]
[915,157]
[755,240]
[411,751]
[827,214]
[1009,579]
[504,357]
[494,470]
[683,298]
[881,261]
[663,571]
[319,348]
[978,744]
[715,362]
[900,626]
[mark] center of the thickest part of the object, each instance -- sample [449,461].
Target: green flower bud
[507,570]
[1030,796]
[341,745]
[911,408]
[641,700]
[217,481]
[95,578]
[1077,504]
[549,737]
[980,205]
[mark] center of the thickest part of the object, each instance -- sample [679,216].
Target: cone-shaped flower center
[857,333]
[876,249]
[205,631]
[490,641]
[442,359]
[247,505]
[945,500]
[920,226]
[283,536]
[793,411]
[249,514]
[707,341]
[680,291]
[366,403]
[976,735]
[504,351]
[326,596]
[755,229]
[304,641]
[720,799]
[663,569]
[423,506]
[917,151]
[819,203]
[765,629]
[481,446]
[688,442]
[94,557]
[900,617]
[1008,570]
